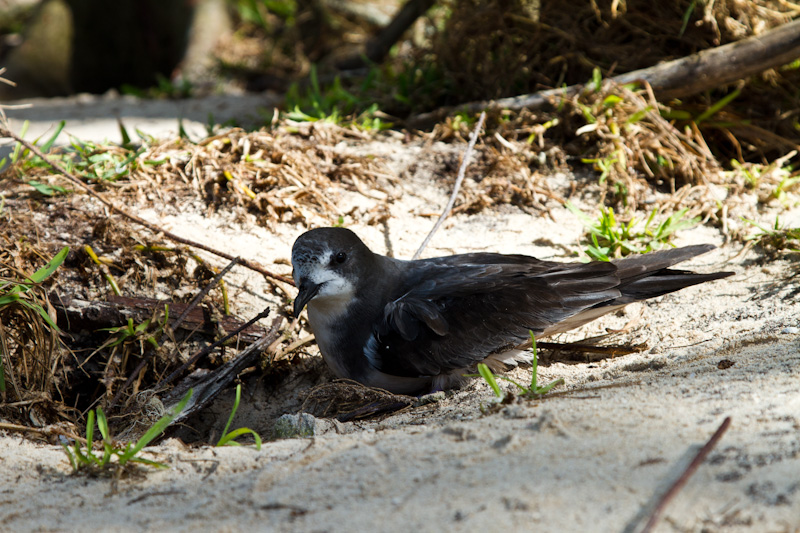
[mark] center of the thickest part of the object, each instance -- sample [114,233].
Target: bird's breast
[336,331]
[327,312]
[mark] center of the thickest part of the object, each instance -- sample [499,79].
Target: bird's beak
[307,292]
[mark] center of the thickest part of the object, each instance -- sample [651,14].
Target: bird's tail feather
[664,282]
[638,265]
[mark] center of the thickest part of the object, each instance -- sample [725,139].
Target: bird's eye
[340,258]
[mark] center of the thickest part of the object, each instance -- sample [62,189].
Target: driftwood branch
[93,315]
[673,79]
[173,326]
[208,349]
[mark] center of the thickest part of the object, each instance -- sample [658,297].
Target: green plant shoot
[228,439]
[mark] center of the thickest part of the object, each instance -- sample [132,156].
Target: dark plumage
[408,326]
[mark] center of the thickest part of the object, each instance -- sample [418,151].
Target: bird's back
[452,312]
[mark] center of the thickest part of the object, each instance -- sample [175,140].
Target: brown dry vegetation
[285,174]
[494,48]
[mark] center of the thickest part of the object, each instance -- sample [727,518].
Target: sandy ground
[594,457]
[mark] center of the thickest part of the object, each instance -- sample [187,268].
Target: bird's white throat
[334,296]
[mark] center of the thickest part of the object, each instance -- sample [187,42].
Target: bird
[416,326]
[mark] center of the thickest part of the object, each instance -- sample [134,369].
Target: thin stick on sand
[473,138]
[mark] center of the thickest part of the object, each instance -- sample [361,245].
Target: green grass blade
[16,153]
[233,413]
[711,111]
[38,276]
[45,272]
[123,131]
[71,457]
[549,386]
[108,451]
[534,361]
[583,217]
[90,430]
[687,15]
[521,387]
[156,430]
[49,143]
[83,458]
[229,439]
[45,189]
[182,131]
[535,388]
[148,462]
[486,374]
[102,424]
[597,80]
[39,309]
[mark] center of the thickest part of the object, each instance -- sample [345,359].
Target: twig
[47,431]
[196,300]
[6,80]
[5,132]
[588,348]
[92,315]
[200,353]
[209,386]
[296,345]
[202,294]
[690,470]
[461,171]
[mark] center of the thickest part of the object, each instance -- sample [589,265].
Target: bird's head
[328,263]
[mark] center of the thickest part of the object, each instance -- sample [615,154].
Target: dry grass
[33,359]
[493,48]
[345,398]
[639,149]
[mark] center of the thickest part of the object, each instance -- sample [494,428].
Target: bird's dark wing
[455,311]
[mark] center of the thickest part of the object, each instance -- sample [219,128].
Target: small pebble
[294,426]
[790,330]
[430,398]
